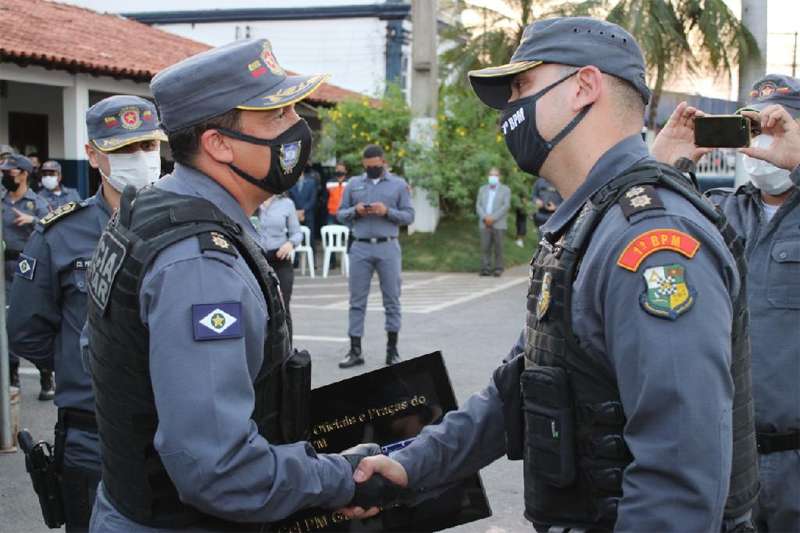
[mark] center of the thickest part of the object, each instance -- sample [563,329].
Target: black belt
[777,442]
[69,417]
[373,240]
[12,255]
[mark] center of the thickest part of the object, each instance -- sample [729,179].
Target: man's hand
[361,210]
[285,249]
[301,215]
[377,208]
[383,466]
[21,219]
[488,221]
[539,203]
[676,140]
[784,152]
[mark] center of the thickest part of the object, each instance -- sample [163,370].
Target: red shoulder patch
[653,241]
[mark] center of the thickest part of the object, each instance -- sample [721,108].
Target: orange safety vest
[335,191]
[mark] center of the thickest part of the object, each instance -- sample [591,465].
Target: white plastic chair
[305,248]
[334,240]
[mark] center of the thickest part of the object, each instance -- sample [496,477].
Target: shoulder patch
[667,293]
[638,199]
[26,267]
[653,241]
[216,241]
[58,213]
[217,321]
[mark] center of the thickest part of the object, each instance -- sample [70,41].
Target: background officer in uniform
[52,191]
[654,302]
[374,205]
[192,312]
[48,305]
[21,209]
[766,213]
[546,200]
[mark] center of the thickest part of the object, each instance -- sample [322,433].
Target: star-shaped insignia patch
[217,321]
[640,201]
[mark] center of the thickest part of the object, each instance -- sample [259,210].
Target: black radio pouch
[296,397]
[549,425]
[507,380]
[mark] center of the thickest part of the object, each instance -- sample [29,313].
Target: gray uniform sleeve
[204,396]
[675,384]
[463,443]
[293,227]
[403,213]
[347,211]
[34,317]
[42,208]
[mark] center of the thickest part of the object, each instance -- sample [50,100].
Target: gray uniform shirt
[391,190]
[773,296]
[29,203]
[278,223]
[203,389]
[65,196]
[673,376]
[48,311]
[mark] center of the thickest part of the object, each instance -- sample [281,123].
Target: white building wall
[353,50]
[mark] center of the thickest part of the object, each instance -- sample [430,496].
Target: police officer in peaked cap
[49,296]
[187,332]
[627,396]
[53,192]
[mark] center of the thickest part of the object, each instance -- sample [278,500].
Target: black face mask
[340,174]
[374,173]
[9,183]
[290,151]
[523,140]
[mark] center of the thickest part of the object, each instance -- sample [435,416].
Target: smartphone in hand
[722,131]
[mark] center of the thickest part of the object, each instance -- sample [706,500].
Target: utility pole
[424,101]
[752,68]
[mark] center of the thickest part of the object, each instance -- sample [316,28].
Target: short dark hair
[341,164]
[185,143]
[372,150]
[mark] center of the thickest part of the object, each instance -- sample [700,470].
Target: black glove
[377,490]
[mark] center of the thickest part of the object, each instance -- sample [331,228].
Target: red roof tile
[75,39]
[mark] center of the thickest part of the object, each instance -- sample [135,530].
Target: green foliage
[351,125]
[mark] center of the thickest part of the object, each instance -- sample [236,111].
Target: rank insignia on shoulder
[667,294]
[638,199]
[653,241]
[216,241]
[59,212]
[217,321]
[26,267]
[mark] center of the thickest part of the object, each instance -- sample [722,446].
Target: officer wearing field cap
[49,297]
[21,209]
[194,433]
[766,213]
[635,343]
[53,192]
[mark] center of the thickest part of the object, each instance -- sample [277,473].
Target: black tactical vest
[134,477]
[575,453]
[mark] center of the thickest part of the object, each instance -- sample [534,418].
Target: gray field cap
[51,165]
[17,161]
[121,120]
[776,89]
[576,41]
[243,75]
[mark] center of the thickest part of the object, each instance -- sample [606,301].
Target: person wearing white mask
[765,213]
[49,294]
[492,205]
[53,192]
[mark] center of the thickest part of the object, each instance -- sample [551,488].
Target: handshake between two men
[380,481]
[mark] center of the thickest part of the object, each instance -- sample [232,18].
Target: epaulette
[217,242]
[638,199]
[59,213]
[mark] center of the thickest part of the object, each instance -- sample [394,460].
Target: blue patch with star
[217,321]
[26,267]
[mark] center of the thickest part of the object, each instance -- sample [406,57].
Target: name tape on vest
[104,267]
[654,241]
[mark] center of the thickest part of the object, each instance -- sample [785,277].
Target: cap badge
[147,115]
[290,154]
[111,122]
[256,69]
[766,89]
[269,60]
[131,119]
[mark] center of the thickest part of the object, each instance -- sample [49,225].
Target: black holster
[295,415]
[42,465]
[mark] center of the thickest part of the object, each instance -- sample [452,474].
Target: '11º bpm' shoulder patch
[217,321]
[650,242]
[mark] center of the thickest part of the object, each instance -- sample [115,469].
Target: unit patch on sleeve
[667,294]
[653,241]
[26,267]
[217,321]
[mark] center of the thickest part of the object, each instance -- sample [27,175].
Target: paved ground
[472,320]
